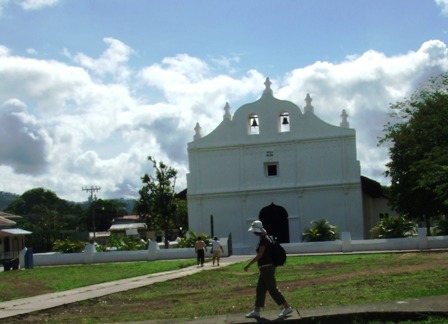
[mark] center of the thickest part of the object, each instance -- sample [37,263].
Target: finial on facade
[227,114]
[309,107]
[198,134]
[268,89]
[344,123]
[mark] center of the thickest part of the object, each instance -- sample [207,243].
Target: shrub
[321,230]
[68,246]
[442,227]
[394,227]
[190,239]
[126,243]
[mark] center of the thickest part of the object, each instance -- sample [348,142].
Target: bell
[285,121]
[254,123]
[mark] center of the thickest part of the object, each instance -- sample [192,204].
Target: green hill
[6,198]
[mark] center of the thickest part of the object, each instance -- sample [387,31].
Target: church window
[254,125]
[271,169]
[283,122]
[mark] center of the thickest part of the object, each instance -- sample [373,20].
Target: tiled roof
[371,187]
[122,227]
[14,231]
[9,216]
[5,223]
[131,217]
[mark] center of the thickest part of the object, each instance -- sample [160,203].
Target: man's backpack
[278,253]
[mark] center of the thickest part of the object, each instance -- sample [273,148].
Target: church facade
[274,162]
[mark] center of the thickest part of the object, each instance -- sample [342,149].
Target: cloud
[31,51]
[27,4]
[37,4]
[94,121]
[4,51]
[23,141]
[365,86]
[444,5]
[3,5]
[112,61]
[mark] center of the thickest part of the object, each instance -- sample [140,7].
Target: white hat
[256,227]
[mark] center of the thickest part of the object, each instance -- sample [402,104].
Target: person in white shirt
[217,250]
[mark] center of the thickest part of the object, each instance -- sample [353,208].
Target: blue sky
[90,88]
[270,35]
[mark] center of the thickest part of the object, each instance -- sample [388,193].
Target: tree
[45,215]
[181,216]
[157,202]
[104,212]
[418,153]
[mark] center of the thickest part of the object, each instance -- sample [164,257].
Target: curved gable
[263,121]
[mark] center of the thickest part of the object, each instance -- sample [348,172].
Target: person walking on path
[266,279]
[200,249]
[216,250]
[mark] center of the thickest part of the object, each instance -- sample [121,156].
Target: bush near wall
[394,227]
[69,246]
[442,227]
[116,243]
[321,231]
[190,239]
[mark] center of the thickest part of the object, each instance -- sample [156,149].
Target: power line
[91,189]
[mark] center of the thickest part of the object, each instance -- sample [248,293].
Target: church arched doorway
[275,221]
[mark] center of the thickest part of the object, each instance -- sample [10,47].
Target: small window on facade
[271,169]
[254,125]
[284,122]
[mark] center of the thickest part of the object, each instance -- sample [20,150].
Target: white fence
[91,256]
[345,245]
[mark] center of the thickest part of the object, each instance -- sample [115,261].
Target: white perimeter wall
[346,245]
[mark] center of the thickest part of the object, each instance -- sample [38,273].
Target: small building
[130,225]
[12,239]
[375,203]
[280,164]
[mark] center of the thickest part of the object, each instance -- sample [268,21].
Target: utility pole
[92,189]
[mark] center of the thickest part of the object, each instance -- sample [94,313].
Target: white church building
[286,167]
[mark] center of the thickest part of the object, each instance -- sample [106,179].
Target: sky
[90,88]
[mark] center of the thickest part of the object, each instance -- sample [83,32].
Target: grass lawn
[42,280]
[306,281]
